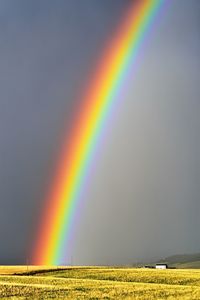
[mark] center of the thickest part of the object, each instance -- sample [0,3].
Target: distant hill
[183,261]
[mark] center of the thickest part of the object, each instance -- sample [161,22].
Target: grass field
[98,283]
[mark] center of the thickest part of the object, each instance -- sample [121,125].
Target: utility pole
[27,264]
[72,260]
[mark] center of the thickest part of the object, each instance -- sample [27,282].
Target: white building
[161,266]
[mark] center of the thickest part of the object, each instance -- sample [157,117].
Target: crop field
[98,283]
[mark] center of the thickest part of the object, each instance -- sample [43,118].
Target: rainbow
[122,51]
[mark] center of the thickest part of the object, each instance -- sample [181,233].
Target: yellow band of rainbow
[102,91]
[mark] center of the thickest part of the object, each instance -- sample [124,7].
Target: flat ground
[98,283]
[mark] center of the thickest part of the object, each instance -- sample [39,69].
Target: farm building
[161,266]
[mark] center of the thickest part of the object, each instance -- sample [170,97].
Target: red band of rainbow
[73,163]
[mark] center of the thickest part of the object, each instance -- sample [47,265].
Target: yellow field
[98,283]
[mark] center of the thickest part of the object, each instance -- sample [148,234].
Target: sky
[142,201]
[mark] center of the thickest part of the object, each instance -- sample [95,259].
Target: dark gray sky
[143,200]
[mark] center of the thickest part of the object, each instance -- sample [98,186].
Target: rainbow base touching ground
[112,70]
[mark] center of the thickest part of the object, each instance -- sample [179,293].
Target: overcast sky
[142,201]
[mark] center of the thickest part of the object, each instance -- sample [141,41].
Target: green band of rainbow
[97,104]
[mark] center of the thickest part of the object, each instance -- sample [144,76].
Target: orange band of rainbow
[61,205]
